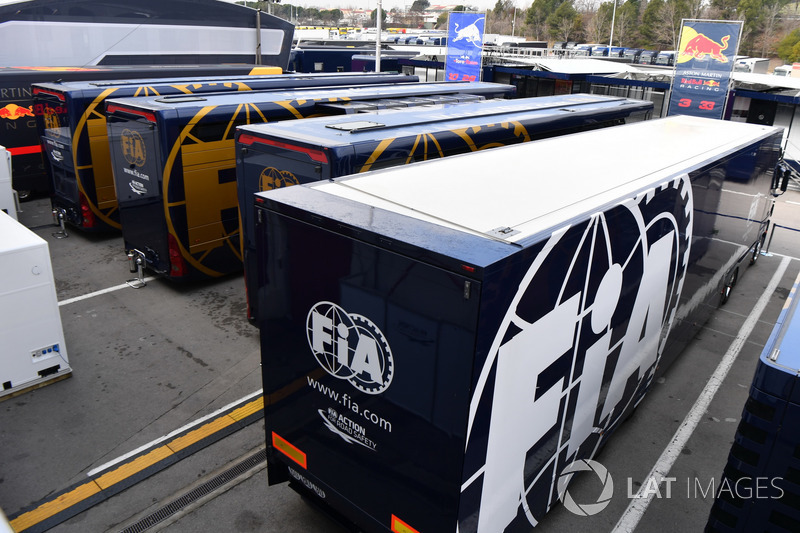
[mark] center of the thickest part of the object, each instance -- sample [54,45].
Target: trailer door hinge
[467,286]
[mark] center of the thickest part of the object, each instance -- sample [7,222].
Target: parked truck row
[452,307]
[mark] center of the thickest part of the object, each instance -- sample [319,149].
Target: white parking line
[98,293]
[630,518]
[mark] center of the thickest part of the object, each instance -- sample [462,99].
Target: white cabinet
[32,350]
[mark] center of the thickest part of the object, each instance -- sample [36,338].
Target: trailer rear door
[367,399]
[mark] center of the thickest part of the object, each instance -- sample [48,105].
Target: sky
[371,4]
[385,4]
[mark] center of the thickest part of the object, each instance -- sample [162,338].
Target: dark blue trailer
[632,54]
[665,58]
[173,159]
[278,155]
[647,57]
[71,121]
[326,59]
[760,485]
[449,336]
[18,126]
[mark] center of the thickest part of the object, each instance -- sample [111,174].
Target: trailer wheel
[728,288]
[757,250]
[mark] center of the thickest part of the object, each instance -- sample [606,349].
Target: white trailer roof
[15,236]
[532,187]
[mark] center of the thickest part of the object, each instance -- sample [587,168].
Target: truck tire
[728,287]
[757,250]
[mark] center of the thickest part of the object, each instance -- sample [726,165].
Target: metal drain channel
[195,494]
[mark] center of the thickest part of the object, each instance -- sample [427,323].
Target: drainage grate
[195,494]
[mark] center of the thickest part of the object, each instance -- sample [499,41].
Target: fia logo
[578,347]
[350,347]
[133,147]
[272,178]
[50,117]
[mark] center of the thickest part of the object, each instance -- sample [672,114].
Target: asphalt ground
[157,367]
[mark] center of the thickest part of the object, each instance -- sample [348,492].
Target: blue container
[760,486]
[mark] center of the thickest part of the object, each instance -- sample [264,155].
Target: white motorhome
[755,65]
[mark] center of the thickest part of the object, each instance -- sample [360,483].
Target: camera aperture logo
[350,347]
[586,509]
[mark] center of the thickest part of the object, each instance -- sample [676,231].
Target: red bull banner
[464,46]
[703,67]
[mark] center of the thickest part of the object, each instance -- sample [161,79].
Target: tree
[503,6]
[537,15]
[723,9]
[312,13]
[626,22]
[771,21]
[661,23]
[564,23]
[373,16]
[598,24]
[420,5]
[787,45]
[761,17]
[536,20]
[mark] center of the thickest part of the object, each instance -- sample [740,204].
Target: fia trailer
[449,336]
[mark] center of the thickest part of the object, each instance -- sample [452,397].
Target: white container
[32,338]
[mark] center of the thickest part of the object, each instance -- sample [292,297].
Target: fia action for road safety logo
[350,347]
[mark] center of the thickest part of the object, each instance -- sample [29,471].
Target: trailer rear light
[25,150]
[37,91]
[315,155]
[88,220]
[289,450]
[177,266]
[398,526]
[112,108]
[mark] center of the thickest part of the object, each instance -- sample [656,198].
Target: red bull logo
[696,45]
[13,112]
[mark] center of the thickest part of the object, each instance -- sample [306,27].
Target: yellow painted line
[134,467]
[46,510]
[248,409]
[127,470]
[200,433]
